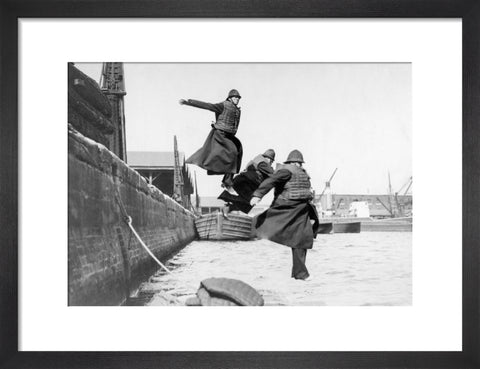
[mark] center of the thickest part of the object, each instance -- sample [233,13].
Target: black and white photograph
[185,167]
[240,184]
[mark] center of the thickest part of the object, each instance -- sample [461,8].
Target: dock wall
[106,263]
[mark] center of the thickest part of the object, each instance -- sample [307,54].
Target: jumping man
[221,154]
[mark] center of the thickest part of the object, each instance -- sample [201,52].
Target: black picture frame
[10,11]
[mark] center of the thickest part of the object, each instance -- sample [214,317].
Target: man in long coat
[222,151]
[245,183]
[288,221]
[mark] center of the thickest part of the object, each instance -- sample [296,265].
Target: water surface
[368,268]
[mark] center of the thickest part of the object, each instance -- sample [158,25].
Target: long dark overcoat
[292,223]
[221,153]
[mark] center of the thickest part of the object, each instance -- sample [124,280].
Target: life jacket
[229,118]
[253,165]
[299,186]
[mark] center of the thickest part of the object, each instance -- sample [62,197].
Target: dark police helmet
[270,153]
[295,156]
[234,93]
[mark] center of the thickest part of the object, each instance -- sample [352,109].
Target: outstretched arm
[216,108]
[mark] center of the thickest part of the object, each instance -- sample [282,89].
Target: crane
[328,206]
[400,207]
[112,84]
[409,183]
[327,184]
[395,208]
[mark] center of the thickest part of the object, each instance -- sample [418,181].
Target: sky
[356,117]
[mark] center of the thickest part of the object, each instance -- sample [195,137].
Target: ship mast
[177,175]
[392,199]
[112,84]
[401,206]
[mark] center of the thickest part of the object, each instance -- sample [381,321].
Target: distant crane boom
[409,185]
[327,184]
[408,182]
[331,177]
